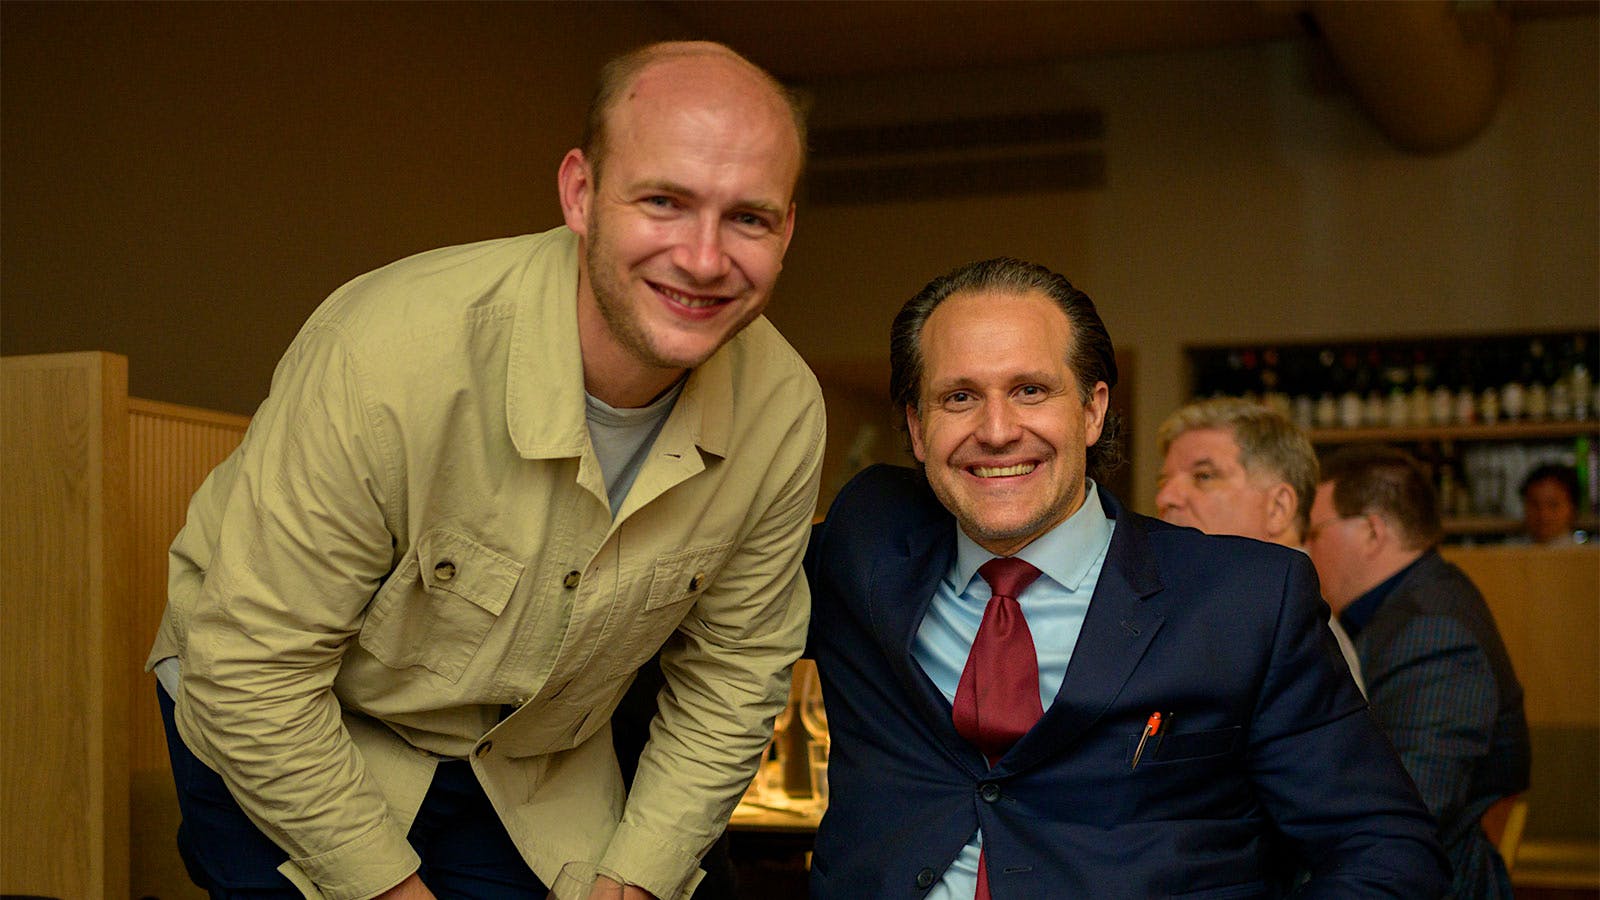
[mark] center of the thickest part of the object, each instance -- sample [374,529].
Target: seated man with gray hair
[1232,466]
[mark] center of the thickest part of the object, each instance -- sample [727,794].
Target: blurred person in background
[1231,466]
[1550,505]
[1437,673]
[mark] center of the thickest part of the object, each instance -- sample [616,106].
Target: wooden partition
[67,656]
[95,487]
[1546,601]
[171,450]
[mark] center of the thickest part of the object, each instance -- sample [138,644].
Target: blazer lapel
[899,595]
[1117,631]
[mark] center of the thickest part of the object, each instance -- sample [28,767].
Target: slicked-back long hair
[1091,356]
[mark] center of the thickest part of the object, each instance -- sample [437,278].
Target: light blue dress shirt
[1070,557]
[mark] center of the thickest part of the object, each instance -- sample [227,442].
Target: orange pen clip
[1152,727]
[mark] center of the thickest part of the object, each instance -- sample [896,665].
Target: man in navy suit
[1036,693]
[1438,674]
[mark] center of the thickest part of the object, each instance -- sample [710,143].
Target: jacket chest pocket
[676,581]
[438,606]
[684,576]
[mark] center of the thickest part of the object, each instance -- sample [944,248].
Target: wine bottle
[1442,402]
[1326,413]
[1580,380]
[1514,390]
[1374,408]
[1420,405]
[1350,401]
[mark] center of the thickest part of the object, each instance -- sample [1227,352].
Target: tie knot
[1008,576]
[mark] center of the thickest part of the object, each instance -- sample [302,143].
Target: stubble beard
[611,298]
[968,515]
[623,320]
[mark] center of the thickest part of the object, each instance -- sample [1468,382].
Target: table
[771,846]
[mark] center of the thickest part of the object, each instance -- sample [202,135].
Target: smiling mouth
[690,301]
[1002,471]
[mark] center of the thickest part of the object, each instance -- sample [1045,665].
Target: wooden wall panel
[65,667]
[1546,601]
[171,450]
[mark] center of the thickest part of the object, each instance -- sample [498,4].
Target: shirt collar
[1356,616]
[1064,554]
[545,407]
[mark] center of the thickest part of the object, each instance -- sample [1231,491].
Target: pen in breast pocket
[1152,727]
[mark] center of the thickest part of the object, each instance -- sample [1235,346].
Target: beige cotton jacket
[414,536]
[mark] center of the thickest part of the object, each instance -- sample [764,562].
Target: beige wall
[1242,205]
[184,183]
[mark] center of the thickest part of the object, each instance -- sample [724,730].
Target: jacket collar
[913,572]
[544,374]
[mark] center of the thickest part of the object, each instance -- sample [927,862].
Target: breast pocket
[684,576]
[1185,746]
[676,581]
[439,604]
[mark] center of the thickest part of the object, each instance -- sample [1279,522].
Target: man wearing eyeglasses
[1437,673]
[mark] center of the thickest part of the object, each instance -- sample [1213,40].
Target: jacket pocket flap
[460,566]
[1197,744]
[685,575]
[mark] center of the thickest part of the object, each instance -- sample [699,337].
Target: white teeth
[999,471]
[686,300]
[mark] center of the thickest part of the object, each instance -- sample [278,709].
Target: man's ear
[1379,534]
[914,428]
[575,187]
[1281,505]
[1094,419]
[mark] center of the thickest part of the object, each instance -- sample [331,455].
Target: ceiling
[805,40]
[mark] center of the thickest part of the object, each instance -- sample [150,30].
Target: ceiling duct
[950,135]
[1430,72]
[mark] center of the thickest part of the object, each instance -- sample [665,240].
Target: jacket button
[483,748]
[698,581]
[990,792]
[572,579]
[926,877]
[444,571]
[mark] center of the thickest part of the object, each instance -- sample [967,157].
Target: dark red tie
[997,699]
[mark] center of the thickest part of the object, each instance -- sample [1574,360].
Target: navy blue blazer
[1270,761]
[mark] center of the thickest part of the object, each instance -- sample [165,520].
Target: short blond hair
[1268,443]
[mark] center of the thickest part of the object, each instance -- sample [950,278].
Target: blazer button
[698,581]
[926,877]
[444,571]
[483,748]
[989,791]
[572,579]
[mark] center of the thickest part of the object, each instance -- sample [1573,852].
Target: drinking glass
[817,756]
[575,882]
[812,712]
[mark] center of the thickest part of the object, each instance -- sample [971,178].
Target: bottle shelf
[1498,431]
[1531,397]
[1493,525]
[1481,525]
